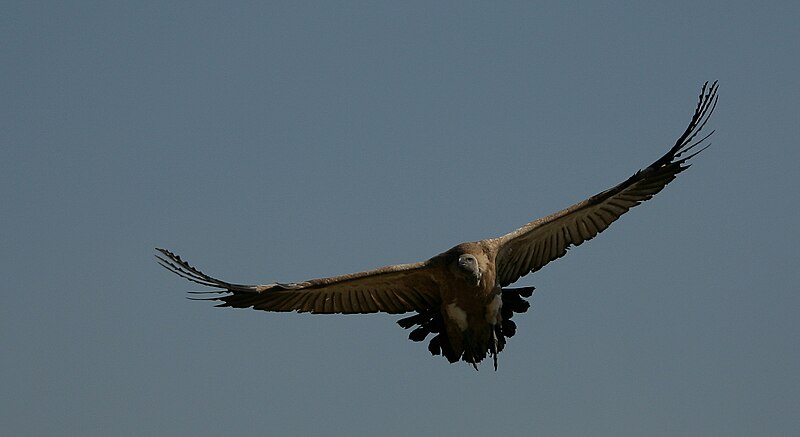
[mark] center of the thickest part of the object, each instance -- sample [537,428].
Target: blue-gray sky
[280,142]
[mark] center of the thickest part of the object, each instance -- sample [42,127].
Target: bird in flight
[462,297]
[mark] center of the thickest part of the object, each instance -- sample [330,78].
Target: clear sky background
[280,142]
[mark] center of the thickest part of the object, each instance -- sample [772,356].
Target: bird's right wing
[393,289]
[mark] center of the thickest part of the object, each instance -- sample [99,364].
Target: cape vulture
[461,296]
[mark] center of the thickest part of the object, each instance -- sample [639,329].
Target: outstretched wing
[535,244]
[393,289]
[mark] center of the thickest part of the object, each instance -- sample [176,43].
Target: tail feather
[432,322]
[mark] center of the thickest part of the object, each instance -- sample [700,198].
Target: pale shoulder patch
[493,310]
[457,315]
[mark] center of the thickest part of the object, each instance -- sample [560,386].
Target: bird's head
[468,264]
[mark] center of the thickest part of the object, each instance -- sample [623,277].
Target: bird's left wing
[535,244]
[393,289]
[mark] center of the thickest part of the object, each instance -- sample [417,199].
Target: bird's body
[461,296]
[470,301]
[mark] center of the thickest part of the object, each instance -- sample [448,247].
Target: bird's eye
[466,260]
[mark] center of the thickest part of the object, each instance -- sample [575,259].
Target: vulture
[461,298]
